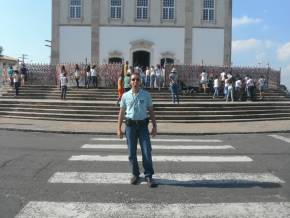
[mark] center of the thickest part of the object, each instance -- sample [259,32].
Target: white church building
[144,32]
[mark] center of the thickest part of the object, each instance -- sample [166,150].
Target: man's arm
[153,119]
[120,121]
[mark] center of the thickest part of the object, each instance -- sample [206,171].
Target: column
[228,33]
[95,31]
[188,32]
[54,54]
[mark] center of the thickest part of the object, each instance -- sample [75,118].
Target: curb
[162,133]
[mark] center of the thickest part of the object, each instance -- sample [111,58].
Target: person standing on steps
[77,74]
[16,82]
[63,85]
[136,103]
[174,86]
[120,86]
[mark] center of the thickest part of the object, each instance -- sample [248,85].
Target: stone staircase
[93,105]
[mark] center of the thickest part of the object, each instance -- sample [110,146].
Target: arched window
[164,61]
[75,9]
[115,60]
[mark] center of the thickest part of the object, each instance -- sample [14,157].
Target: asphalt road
[246,171]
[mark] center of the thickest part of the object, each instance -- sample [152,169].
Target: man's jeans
[174,93]
[141,132]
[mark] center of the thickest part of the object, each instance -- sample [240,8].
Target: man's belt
[130,122]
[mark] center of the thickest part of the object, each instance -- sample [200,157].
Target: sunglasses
[135,79]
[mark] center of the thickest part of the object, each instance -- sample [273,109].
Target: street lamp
[48,45]
[268,71]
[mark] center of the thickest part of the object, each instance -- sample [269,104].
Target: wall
[75,44]
[119,38]
[208,46]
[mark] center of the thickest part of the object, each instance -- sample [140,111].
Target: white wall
[119,38]
[208,45]
[74,44]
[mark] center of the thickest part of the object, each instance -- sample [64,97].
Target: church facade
[143,32]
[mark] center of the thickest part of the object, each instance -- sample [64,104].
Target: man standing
[136,103]
[174,86]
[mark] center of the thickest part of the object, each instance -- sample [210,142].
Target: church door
[141,59]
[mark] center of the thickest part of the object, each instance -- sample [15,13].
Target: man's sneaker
[150,182]
[134,180]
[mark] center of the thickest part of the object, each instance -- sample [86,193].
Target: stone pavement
[109,128]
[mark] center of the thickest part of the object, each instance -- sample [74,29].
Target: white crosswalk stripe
[160,140]
[129,210]
[197,158]
[166,178]
[162,209]
[163,147]
[285,139]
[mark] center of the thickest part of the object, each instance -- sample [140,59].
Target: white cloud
[283,53]
[244,45]
[252,44]
[245,20]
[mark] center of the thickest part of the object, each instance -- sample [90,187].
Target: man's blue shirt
[136,106]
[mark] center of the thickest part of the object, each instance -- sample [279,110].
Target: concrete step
[159,121]
[158,108]
[158,112]
[178,118]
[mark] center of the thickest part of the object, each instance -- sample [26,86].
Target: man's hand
[120,120]
[120,133]
[154,131]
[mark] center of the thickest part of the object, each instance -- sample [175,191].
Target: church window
[142,9]
[116,9]
[168,9]
[208,10]
[75,9]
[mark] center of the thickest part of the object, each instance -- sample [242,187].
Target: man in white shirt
[204,80]
[238,86]
[261,85]
[94,76]
[63,84]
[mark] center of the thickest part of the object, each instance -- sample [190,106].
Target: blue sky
[261,35]
[261,32]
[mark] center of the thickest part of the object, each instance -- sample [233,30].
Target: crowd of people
[230,87]
[15,77]
[150,78]
[234,88]
[223,84]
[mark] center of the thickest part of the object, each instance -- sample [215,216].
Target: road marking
[166,178]
[160,140]
[281,138]
[129,210]
[164,147]
[121,158]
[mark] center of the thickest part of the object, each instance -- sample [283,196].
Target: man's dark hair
[136,74]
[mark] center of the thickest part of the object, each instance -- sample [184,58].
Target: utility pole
[23,58]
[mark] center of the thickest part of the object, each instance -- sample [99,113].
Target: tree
[1,50]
